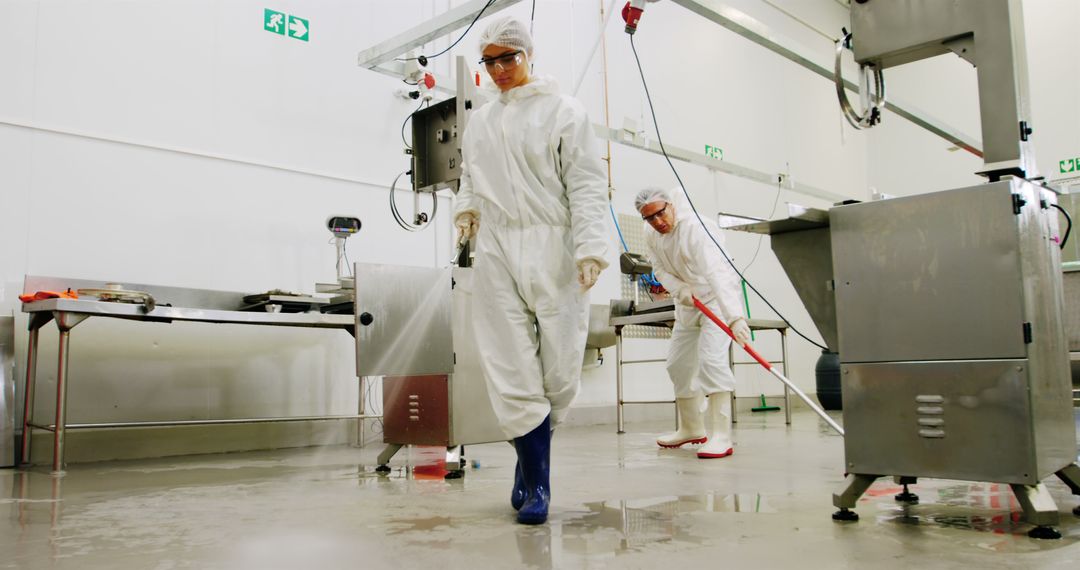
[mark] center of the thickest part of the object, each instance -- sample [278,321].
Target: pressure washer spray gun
[631,13]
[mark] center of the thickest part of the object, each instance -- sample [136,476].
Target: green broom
[763,407]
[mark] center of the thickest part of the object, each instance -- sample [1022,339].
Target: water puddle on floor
[988,512]
[594,532]
[643,521]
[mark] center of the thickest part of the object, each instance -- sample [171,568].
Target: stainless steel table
[662,314]
[69,313]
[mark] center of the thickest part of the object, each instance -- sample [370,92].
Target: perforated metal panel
[633,232]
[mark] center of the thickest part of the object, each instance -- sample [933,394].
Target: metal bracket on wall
[720,13]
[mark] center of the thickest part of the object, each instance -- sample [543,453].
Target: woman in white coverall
[688,264]
[533,188]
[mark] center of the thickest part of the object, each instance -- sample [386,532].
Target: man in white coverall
[534,194]
[688,264]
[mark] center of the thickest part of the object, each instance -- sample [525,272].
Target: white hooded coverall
[532,175]
[686,257]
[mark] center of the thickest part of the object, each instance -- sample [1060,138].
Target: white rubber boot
[718,423]
[691,426]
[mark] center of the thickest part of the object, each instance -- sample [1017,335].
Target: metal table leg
[37,320]
[618,381]
[65,322]
[784,362]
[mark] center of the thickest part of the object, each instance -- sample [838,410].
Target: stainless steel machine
[413,329]
[946,308]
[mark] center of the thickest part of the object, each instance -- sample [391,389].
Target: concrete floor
[619,502]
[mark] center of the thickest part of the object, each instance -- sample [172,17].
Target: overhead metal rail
[381,57]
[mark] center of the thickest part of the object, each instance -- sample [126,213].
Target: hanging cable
[422,220]
[1068,229]
[660,142]
[423,59]
[406,121]
[761,238]
[345,252]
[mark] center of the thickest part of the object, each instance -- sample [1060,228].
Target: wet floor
[619,502]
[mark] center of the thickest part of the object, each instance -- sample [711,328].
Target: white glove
[467,225]
[684,296]
[741,330]
[588,271]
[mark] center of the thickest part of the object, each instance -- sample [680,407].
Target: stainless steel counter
[168,314]
[205,306]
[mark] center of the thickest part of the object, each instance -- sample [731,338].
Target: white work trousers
[531,319]
[699,348]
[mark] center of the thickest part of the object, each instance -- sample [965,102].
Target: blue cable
[616,220]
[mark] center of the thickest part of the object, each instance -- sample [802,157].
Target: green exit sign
[714,152]
[285,24]
[1069,165]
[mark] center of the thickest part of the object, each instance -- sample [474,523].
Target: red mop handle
[817,409]
[720,323]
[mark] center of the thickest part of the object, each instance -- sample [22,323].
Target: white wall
[176,142]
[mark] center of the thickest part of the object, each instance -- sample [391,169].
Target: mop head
[764,407]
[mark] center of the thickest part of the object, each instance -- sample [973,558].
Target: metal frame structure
[662,314]
[381,58]
[731,19]
[944,376]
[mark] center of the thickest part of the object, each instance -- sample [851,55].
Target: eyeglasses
[503,62]
[653,216]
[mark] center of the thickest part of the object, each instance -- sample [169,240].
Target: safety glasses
[653,216]
[502,62]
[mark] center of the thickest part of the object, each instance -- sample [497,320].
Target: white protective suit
[686,257]
[533,176]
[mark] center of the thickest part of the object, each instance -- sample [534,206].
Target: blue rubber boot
[534,457]
[517,496]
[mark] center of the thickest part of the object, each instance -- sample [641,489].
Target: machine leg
[854,486]
[618,381]
[361,409]
[1070,475]
[907,496]
[455,462]
[1039,509]
[385,456]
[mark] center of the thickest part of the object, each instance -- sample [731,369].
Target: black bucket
[827,373]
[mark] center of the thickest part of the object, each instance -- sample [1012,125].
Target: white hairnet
[650,195]
[508,32]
